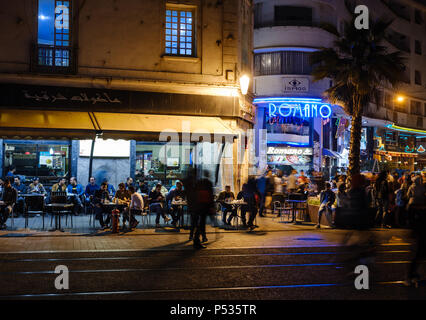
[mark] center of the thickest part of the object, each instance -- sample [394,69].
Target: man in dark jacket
[382,193]
[327,198]
[10,196]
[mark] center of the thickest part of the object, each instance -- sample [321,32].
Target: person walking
[203,206]
[261,187]
[382,193]
[417,214]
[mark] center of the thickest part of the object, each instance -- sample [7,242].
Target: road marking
[189,248]
[133,292]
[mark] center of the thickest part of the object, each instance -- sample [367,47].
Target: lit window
[54,33]
[179,32]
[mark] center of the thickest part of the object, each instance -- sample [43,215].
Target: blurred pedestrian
[417,203]
[203,206]
[382,192]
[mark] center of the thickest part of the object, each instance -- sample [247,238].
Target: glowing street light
[244,84]
[400,98]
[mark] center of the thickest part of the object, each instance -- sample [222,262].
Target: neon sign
[302,110]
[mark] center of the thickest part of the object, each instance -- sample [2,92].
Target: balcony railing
[287,23]
[399,44]
[53,59]
[398,9]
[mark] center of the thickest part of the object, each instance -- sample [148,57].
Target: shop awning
[34,124]
[331,154]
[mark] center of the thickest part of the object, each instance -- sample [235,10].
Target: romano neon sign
[294,107]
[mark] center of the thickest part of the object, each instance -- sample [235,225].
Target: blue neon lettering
[305,110]
[285,106]
[272,110]
[328,110]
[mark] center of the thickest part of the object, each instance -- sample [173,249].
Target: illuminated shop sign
[290,151]
[302,110]
[296,107]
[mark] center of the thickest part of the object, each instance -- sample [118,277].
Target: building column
[1,157]
[132,159]
[75,152]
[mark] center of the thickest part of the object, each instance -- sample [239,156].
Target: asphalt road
[237,274]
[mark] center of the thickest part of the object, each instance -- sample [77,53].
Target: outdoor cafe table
[181,204]
[238,204]
[56,208]
[294,204]
[110,206]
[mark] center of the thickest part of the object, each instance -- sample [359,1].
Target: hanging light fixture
[244,84]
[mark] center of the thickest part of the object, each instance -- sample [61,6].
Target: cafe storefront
[293,131]
[48,131]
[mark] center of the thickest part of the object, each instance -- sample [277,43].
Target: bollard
[115,221]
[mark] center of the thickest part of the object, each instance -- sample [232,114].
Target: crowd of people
[387,199]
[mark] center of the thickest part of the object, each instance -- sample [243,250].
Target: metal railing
[287,23]
[53,59]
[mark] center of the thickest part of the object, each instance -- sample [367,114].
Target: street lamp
[244,84]
[400,98]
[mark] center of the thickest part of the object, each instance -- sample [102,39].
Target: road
[247,274]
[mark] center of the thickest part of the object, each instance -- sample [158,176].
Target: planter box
[313,215]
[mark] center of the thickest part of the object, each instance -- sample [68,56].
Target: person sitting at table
[163,189]
[77,189]
[91,188]
[243,195]
[136,206]
[21,188]
[177,194]
[1,187]
[143,187]
[111,189]
[36,187]
[129,182]
[7,202]
[123,196]
[61,186]
[156,199]
[11,172]
[101,196]
[223,198]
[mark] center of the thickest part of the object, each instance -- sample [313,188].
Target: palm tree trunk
[355,143]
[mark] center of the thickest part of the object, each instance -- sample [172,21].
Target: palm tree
[359,65]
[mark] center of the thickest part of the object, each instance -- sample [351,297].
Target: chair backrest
[58,197]
[35,203]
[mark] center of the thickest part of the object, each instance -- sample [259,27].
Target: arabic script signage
[102,97]
[107,100]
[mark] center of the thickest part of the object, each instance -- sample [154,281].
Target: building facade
[286,32]
[156,85]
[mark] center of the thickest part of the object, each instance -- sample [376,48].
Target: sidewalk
[271,233]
